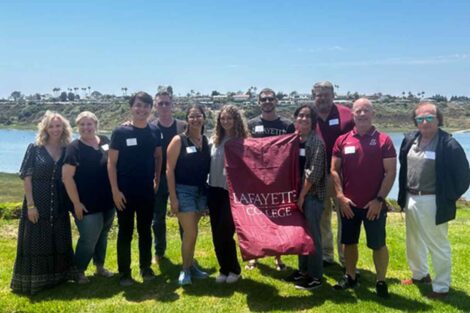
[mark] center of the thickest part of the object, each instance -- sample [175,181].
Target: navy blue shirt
[136,162]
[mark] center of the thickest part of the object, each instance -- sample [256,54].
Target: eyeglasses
[195,117]
[428,118]
[266,99]
[164,103]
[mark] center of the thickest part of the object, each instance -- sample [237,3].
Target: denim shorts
[191,198]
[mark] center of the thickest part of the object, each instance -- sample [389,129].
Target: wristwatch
[380,199]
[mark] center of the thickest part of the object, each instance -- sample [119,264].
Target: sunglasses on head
[164,103]
[428,118]
[266,99]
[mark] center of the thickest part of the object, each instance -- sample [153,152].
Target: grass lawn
[260,290]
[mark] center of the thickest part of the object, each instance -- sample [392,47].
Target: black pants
[142,207]
[223,230]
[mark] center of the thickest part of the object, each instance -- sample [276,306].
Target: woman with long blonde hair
[44,254]
[229,125]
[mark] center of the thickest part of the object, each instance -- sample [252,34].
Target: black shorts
[375,230]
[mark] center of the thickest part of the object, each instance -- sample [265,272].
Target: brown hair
[239,126]
[440,117]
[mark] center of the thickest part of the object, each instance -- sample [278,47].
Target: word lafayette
[265,199]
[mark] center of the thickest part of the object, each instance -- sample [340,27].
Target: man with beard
[333,120]
[265,125]
[269,123]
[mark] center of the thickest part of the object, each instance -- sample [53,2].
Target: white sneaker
[233,278]
[221,279]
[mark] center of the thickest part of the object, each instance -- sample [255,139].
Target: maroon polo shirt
[362,167]
[339,121]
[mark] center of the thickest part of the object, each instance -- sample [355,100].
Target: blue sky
[364,46]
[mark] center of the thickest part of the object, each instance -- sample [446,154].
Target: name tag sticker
[333,122]
[131,142]
[161,135]
[431,155]
[259,129]
[349,150]
[105,147]
[224,172]
[191,149]
[302,152]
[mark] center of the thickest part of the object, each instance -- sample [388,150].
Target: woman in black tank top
[188,161]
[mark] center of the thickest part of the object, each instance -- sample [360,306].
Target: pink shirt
[362,167]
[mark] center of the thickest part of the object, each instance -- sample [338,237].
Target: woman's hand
[79,208]
[174,204]
[119,200]
[33,215]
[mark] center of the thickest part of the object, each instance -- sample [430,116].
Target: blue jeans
[313,263]
[159,217]
[93,229]
[191,198]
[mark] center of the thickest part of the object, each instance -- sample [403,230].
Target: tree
[16,95]
[63,96]
[280,95]
[71,96]
[215,93]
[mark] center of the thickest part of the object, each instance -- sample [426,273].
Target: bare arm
[118,196]
[390,171]
[157,155]
[68,172]
[344,202]
[172,155]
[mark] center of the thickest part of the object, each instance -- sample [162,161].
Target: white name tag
[431,155]
[334,121]
[105,147]
[224,172]
[302,152]
[259,129]
[131,142]
[161,135]
[349,150]
[191,149]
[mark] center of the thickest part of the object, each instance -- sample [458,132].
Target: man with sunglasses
[434,173]
[169,127]
[269,123]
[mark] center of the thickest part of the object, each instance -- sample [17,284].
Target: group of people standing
[345,164]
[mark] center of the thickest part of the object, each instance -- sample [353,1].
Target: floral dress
[44,254]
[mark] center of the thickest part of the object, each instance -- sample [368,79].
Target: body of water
[13,144]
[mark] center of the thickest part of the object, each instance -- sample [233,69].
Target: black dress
[44,255]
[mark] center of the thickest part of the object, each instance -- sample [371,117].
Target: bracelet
[31,206]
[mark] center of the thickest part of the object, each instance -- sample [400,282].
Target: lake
[13,144]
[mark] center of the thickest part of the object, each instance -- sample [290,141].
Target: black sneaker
[308,284]
[294,277]
[382,289]
[147,274]
[346,282]
[126,280]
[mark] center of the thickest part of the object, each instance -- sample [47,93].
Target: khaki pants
[331,204]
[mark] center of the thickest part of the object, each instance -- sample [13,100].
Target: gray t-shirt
[217,175]
[421,174]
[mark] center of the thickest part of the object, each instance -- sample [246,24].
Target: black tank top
[193,164]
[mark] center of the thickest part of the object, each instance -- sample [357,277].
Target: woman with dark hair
[188,162]
[229,125]
[312,159]
[85,177]
[44,256]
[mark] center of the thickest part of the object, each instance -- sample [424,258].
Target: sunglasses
[266,99]
[164,103]
[428,118]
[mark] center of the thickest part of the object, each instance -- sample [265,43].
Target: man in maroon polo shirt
[363,169]
[333,120]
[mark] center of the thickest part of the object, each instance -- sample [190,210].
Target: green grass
[11,188]
[260,290]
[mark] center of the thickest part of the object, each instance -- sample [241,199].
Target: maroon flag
[263,180]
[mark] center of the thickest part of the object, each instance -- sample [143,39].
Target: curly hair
[239,126]
[42,136]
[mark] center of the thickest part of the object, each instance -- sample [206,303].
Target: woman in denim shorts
[188,162]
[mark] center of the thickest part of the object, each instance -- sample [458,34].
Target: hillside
[393,115]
